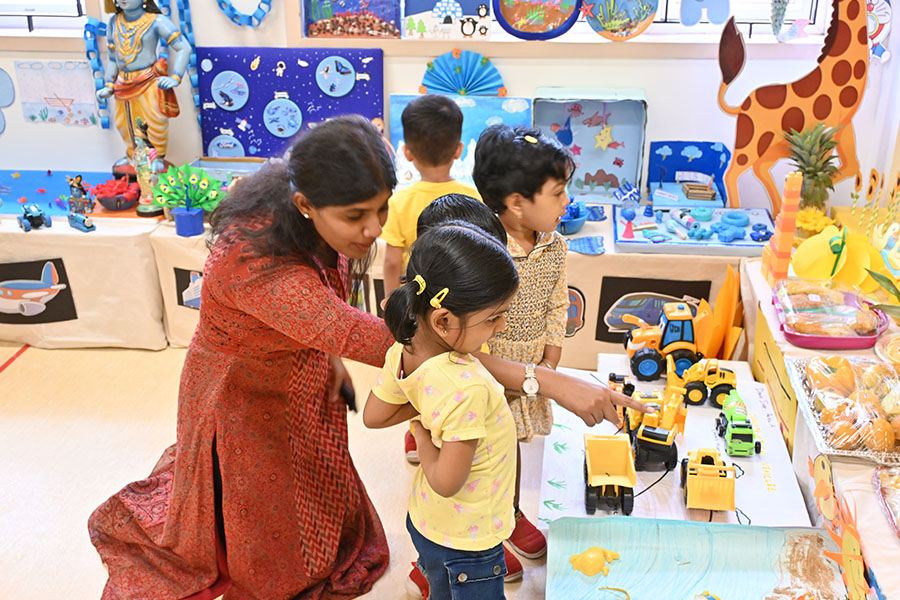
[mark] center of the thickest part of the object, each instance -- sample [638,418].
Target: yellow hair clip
[530,139]
[439,297]
[418,279]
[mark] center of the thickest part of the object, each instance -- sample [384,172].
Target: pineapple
[778,9]
[812,151]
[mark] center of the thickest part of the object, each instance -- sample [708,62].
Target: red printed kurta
[297,520]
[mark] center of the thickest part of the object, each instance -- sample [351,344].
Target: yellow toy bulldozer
[653,435]
[703,379]
[648,346]
[707,482]
[609,474]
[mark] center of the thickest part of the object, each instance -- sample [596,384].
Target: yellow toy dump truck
[707,482]
[653,435]
[648,346]
[703,379]
[609,474]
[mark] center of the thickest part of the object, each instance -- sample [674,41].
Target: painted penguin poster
[34,292]
[254,101]
[447,19]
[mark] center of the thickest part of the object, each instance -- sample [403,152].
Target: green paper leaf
[891,310]
[886,283]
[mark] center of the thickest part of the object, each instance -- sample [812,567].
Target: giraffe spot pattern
[793,119]
[840,75]
[744,133]
[859,69]
[822,107]
[809,85]
[747,103]
[771,96]
[853,10]
[765,140]
[848,96]
[863,35]
[842,39]
[742,159]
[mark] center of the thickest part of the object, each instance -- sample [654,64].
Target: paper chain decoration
[239,18]
[94,29]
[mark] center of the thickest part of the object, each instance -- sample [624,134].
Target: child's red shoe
[513,566]
[409,446]
[526,539]
[417,585]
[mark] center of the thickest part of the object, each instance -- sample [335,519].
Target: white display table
[111,292]
[766,490]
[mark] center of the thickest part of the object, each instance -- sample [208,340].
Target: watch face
[530,386]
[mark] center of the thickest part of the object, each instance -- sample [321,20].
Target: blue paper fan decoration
[462,72]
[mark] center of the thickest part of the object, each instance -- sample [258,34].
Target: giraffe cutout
[831,93]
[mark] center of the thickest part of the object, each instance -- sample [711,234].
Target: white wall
[681,93]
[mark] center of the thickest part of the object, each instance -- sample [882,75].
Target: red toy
[41,190]
[23,200]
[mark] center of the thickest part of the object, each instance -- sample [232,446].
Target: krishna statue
[142,84]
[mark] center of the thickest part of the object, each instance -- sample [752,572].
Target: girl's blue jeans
[459,574]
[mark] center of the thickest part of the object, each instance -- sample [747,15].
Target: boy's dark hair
[432,128]
[459,207]
[473,265]
[519,159]
[342,161]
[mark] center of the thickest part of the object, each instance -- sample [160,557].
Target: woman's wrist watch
[531,387]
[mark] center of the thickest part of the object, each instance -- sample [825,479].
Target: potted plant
[812,152]
[188,192]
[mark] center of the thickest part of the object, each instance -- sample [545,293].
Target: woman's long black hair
[474,266]
[340,162]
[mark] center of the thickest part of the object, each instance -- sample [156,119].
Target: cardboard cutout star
[587,10]
[576,150]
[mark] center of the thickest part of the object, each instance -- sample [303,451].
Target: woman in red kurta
[258,498]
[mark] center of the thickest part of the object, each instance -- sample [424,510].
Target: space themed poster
[255,100]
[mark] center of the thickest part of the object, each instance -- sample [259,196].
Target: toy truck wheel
[672,460]
[721,424]
[647,364]
[683,360]
[590,495]
[684,463]
[640,456]
[627,500]
[48,222]
[757,447]
[24,223]
[696,393]
[719,393]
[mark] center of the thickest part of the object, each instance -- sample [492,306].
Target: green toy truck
[733,424]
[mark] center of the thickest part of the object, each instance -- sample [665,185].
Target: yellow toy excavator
[648,346]
[653,435]
[703,379]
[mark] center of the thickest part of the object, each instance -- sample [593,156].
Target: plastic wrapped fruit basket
[852,403]
[826,315]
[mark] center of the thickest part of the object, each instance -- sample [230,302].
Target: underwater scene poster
[352,18]
[479,113]
[447,19]
[645,559]
[536,19]
[255,100]
[620,20]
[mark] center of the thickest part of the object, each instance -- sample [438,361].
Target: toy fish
[15,175]
[615,145]
[49,172]
[618,161]
[41,190]
[595,120]
[23,200]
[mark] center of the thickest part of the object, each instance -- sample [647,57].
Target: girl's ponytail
[399,313]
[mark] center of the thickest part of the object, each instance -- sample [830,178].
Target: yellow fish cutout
[820,471]
[255,64]
[844,533]
[593,560]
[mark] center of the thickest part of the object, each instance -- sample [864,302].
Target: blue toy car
[33,218]
[81,222]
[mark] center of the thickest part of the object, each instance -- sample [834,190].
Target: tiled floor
[76,425]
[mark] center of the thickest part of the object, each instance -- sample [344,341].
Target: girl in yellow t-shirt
[460,284]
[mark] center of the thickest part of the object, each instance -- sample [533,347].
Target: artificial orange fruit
[831,372]
[844,436]
[878,435]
